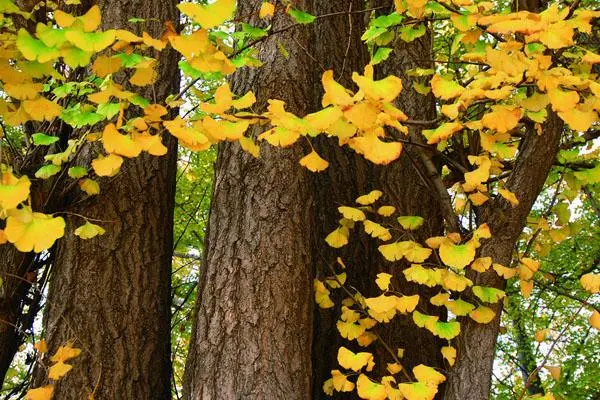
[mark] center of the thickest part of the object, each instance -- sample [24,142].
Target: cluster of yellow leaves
[57,370]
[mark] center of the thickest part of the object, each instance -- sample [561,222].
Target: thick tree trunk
[111,295]
[252,334]
[338,47]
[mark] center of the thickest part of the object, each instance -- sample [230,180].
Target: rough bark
[470,378]
[111,295]
[338,47]
[252,334]
[13,291]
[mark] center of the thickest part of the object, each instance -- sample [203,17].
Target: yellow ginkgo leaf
[509,196]
[481,264]
[442,132]
[107,166]
[457,255]
[338,238]
[558,35]
[504,272]
[595,319]
[411,222]
[13,190]
[90,21]
[383,280]
[369,198]
[428,375]
[376,230]
[145,75]
[89,230]
[335,93]
[482,315]
[29,230]
[381,304]
[541,335]
[526,288]
[476,177]
[386,89]
[314,162]
[41,109]
[41,346]
[386,211]
[120,144]
[449,353]
[340,381]
[41,393]
[349,360]
[266,10]
[410,250]
[445,89]
[554,372]
[454,282]
[105,65]
[89,186]
[375,150]
[563,100]
[351,213]
[406,304]
[367,389]
[58,370]
[211,15]
[322,295]
[65,353]
[577,119]
[417,391]
[590,282]
[502,118]
[150,143]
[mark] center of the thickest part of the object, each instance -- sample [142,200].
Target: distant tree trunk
[252,334]
[111,295]
[337,46]
[525,348]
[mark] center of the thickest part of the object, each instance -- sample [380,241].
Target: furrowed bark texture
[470,378]
[13,290]
[110,295]
[337,46]
[252,334]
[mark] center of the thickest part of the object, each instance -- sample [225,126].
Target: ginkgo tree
[516,96]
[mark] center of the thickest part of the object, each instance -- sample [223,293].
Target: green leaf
[381,54]
[410,32]
[41,139]
[301,17]
[78,118]
[253,32]
[488,294]
[411,222]
[77,172]
[47,171]
[34,49]
[386,21]
[109,110]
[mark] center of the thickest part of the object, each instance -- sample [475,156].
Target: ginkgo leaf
[428,375]
[211,15]
[417,391]
[386,211]
[266,10]
[386,89]
[322,295]
[34,49]
[381,304]
[89,230]
[457,255]
[590,282]
[35,231]
[367,389]
[354,361]
[577,119]
[488,294]
[65,353]
[445,89]
[411,222]
[554,371]
[41,346]
[383,280]
[595,320]
[351,213]
[406,304]
[482,315]
[502,118]
[541,335]
[509,196]
[459,307]
[504,272]
[90,186]
[453,281]
[376,230]
[370,198]
[442,132]
[13,190]
[90,21]
[338,238]
[117,143]
[314,162]
[58,370]
[105,65]
[340,381]
[375,150]
[449,353]
[41,109]
[481,264]
[92,42]
[526,288]
[107,166]
[410,250]
[41,393]
[335,93]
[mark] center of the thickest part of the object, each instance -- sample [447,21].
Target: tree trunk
[13,293]
[111,295]
[338,46]
[252,334]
